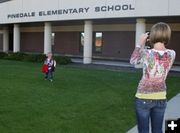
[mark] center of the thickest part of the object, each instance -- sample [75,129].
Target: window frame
[93,43]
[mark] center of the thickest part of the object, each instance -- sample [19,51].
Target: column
[16,45]
[47,38]
[88,31]
[140,29]
[5,39]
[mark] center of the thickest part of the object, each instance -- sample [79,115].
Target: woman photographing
[150,103]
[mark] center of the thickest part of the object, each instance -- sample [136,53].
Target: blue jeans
[147,110]
[49,75]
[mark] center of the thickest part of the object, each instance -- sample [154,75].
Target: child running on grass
[51,65]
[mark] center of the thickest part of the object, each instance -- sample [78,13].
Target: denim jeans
[147,110]
[49,75]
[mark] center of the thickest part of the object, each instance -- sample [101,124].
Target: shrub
[2,55]
[33,57]
[15,56]
[30,58]
[40,57]
[62,60]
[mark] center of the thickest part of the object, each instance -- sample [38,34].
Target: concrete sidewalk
[172,112]
[117,63]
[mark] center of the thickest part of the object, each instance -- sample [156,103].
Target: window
[52,38]
[97,42]
[81,41]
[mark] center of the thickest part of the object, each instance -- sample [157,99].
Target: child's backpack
[44,68]
[53,66]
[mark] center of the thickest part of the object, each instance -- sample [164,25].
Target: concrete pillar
[88,33]
[16,45]
[5,39]
[140,29]
[47,37]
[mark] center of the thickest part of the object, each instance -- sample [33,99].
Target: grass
[78,101]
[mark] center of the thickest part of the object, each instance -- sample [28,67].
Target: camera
[147,44]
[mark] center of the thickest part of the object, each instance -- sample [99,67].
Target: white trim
[103,27]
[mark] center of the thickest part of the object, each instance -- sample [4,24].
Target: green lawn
[78,101]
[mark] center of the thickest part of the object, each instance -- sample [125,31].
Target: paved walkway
[117,64]
[172,112]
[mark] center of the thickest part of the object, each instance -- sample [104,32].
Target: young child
[51,66]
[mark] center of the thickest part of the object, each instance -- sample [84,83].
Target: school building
[88,29]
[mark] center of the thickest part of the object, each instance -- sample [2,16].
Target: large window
[97,42]
[81,41]
[52,38]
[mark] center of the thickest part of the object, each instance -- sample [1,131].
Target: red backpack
[45,68]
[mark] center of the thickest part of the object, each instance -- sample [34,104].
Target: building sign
[33,10]
[17,11]
[81,10]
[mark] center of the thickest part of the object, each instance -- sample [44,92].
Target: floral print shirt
[156,65]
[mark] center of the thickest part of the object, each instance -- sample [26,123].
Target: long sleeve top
[156,65]
[50,62]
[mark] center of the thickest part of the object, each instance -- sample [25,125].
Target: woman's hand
[143,39]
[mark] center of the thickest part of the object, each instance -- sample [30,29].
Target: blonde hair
[49,54]
[160,32]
